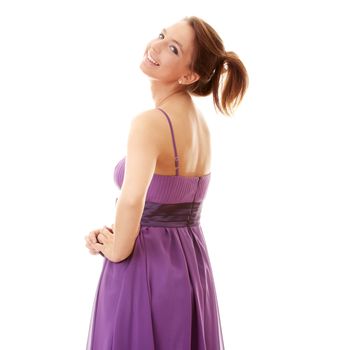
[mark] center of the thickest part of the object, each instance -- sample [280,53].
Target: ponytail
[230,83]
[221,73]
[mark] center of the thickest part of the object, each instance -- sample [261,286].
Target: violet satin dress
[162,297]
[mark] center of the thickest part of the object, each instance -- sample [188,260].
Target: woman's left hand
[107,244]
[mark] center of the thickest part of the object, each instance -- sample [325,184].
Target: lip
[149,58]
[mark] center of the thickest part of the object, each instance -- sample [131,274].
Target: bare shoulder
[149,114]
[148,125]
[148,119]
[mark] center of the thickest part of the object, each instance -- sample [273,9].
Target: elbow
[120,260]
[123,257]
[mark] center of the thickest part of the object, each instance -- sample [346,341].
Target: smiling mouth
[150,59]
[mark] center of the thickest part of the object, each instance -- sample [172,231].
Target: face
[168,56]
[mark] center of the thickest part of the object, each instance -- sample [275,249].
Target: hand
[91,239]
[103,242]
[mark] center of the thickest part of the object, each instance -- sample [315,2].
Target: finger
[98,247]
[106,231]
[103,235]
[100,239]
[88,240]
[93,235]
[94,232]
[94,239]
[90,247]
[89,244]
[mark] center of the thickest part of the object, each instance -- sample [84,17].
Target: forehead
[183,33]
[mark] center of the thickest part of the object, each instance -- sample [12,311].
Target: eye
[174,49]
[161,36]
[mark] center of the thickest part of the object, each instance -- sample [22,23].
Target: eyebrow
[175,41]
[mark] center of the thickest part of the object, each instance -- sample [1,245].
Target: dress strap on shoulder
[173,138]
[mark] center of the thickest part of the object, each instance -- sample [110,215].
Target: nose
[153,48]
[156,45]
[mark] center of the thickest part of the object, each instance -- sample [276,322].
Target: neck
[162,93]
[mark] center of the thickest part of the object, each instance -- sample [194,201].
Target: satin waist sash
[171,215]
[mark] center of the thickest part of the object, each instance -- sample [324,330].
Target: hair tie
[212,74]
[220,60]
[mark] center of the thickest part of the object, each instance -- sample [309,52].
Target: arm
[141,158]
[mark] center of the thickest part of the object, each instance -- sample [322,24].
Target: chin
[146,71]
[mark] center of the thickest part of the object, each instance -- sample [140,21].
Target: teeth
[151,59]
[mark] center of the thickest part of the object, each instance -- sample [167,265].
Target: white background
[276,217]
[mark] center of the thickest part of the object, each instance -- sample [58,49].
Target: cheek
[171,61]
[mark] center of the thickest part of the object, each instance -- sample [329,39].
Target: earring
[180,81]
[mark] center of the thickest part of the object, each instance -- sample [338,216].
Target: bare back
[192,139]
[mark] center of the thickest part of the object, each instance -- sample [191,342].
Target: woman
[156,290]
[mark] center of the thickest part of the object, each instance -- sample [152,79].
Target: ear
[189,78]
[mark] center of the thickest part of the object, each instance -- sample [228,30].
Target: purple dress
[162,297]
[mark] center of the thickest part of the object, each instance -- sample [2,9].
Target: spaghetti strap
[173,138]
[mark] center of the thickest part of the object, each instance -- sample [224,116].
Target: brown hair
[221,73]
